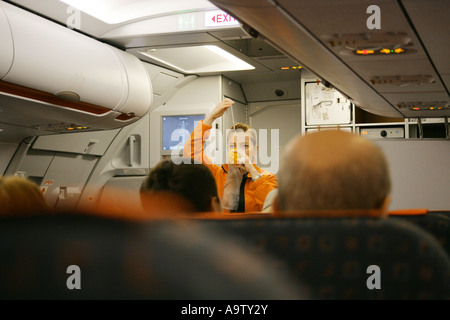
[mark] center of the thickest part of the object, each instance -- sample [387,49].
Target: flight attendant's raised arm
[218,111]
[194,147]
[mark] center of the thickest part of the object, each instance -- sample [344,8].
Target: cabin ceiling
[319,35]
[325,34]
[157,31]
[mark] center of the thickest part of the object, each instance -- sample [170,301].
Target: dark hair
[193,182]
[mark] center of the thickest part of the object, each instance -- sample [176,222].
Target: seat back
[335,257]
[127,260]
[438,224]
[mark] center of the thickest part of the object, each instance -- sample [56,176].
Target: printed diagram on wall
[326,106]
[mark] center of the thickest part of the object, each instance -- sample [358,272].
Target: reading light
[118,11]
[364,52]
[197,59]
[291,68]
[384,51]
[426,108]
[77,128]
[424,105]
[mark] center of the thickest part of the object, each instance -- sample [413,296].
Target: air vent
[402,80]
[424,105]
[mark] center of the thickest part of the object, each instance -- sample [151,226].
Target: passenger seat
[336,257]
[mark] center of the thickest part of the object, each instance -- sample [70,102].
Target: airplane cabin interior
[94,94]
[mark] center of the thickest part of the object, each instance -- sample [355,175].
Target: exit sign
[218,18]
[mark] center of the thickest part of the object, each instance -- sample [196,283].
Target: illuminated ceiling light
[198,59]
[426,108]
[118,11]
[77,128]
[424,105]
[384,51]
[291,68]
[364,52]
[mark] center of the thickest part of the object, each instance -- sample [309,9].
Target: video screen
[177,129]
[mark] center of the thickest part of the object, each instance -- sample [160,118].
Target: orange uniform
[254,192]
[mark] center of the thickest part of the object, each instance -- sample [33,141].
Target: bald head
[332,170]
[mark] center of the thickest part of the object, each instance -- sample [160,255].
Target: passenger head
[333,170]
[243,137]
[20,195]
[180,187]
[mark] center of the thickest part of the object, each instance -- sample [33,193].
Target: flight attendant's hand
[249,167]
[218,111]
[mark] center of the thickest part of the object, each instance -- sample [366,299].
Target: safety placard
[326,106]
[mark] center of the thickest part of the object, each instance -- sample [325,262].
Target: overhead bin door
[6,48]
[58,61]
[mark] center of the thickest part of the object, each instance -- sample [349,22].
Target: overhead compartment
[6,49]
[56,67]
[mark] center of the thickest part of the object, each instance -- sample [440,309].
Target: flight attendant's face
[242,141]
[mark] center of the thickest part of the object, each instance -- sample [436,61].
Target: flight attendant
[242,186]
